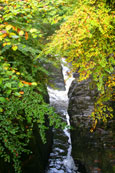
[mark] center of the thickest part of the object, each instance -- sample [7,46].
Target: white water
[59,100]
[68,162]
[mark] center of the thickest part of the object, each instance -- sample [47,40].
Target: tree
[86,39]
[22,77]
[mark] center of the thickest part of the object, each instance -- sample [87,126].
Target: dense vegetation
[23,78]
[85,37]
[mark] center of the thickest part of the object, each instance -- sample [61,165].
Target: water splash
[60,160]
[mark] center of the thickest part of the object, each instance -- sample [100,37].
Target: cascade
[60,160]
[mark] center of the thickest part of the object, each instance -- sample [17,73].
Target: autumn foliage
[86,39]
[84,36]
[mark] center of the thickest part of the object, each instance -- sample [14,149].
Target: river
[60,160]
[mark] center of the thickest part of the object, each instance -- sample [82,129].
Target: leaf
[2,99]
[18,73]
[8,27]
[20,84]
[9,92]
[21,92]
[26,35]
[17,94]
[4,44]
[34,83]
[7,43]
[29,119]
[14,28]
[4,35]
[1,81]
[91,130]
[1,110]
[14,47]
[21,33]
[27,83]
[8,85]
[33,30]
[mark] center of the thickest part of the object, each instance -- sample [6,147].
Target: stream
[60,160]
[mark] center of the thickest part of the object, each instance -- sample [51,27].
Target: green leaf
[8,85]
[1,110]
[17,94]
[8,92]
[2,99]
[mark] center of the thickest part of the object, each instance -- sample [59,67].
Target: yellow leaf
[21,33]
[18,73]
[91,130]
[6,68]
[34,83]
[8,27]
[2,26]
[33,30]
[14,47]
[4,44]
[8,43]
[1,7]
[13,71]
[1,38]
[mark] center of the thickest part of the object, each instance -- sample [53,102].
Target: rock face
[91,151]
[81,99]
[56,80]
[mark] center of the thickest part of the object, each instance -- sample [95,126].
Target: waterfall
[60,160]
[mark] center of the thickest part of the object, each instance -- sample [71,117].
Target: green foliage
[21,107]
[86,39]
[23,77]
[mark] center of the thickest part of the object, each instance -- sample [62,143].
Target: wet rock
[92,152]
[81,98]
[55,77]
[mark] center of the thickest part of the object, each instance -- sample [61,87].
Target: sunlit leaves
[14,47]
[8,27]
[86,39]
[21,33]
[33,30]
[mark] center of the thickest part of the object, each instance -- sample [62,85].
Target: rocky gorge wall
[93,152]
